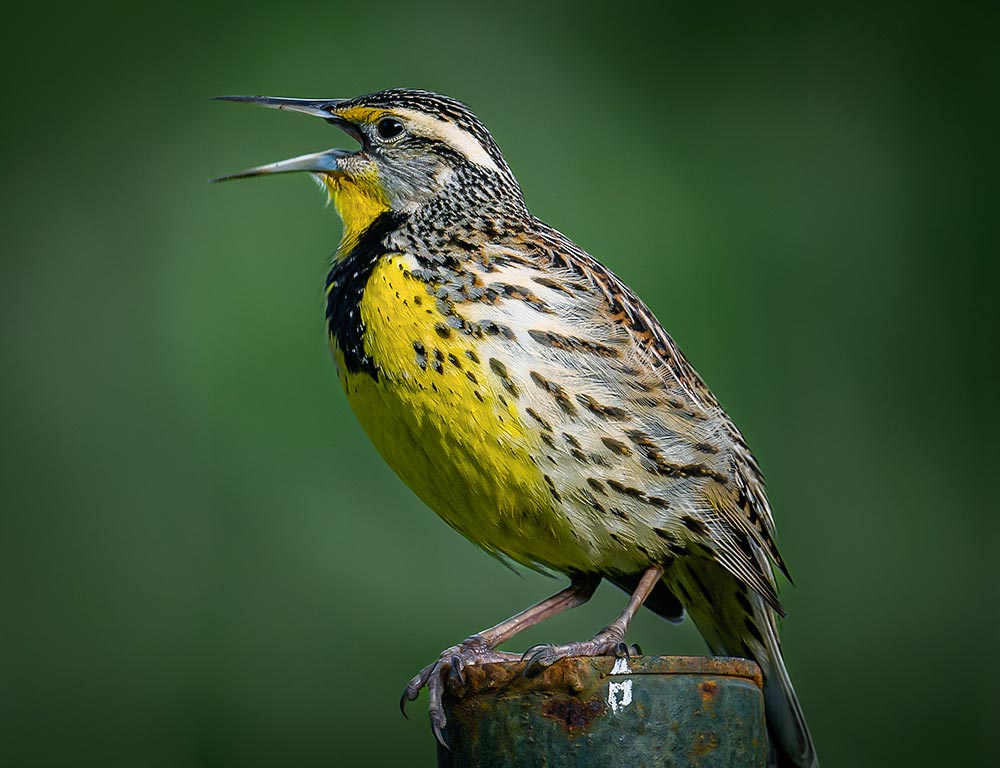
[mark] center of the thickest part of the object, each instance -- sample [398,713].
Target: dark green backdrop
[202,560]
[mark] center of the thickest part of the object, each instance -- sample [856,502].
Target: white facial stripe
[450,134]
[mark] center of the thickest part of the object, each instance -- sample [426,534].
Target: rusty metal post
[662,711]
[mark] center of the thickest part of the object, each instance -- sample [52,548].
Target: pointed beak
[320,162]
[317,107]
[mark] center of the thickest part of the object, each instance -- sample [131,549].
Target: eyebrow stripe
[449,133]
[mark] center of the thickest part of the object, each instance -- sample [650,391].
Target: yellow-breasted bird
[532,400]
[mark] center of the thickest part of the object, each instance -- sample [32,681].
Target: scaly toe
[435,707]
[608,642]
[538,657]
[412,689]
[438,722]
[449,666]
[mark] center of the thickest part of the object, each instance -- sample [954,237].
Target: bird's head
[415,145]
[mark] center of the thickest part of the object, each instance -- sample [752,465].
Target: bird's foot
[450,664]
[610,641]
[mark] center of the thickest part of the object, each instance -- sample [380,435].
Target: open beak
[317,107]
[320,162]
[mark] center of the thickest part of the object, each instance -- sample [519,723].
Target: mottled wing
[678,374]
[636,451]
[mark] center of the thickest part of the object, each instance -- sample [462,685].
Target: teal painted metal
[662,711]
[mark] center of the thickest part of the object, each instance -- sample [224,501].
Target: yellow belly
[438,419]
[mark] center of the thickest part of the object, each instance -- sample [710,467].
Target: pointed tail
[791,745]
[736,621]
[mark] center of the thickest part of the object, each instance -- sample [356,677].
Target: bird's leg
[609,641]
[480,647]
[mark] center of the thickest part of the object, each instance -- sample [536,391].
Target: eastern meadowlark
[532,400]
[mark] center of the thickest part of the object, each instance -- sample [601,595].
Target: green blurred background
[203,562]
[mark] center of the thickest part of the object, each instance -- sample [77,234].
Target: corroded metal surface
[663,711]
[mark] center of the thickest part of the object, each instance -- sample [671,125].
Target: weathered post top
[663,711]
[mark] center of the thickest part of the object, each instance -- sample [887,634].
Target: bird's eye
[389,128]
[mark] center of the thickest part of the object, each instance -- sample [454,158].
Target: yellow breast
[442,423]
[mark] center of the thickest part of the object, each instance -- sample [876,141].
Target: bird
[528,396]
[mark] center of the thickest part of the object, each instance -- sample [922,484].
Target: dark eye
[389,128]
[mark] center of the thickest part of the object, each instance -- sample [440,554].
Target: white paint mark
[622,690]
[621,667]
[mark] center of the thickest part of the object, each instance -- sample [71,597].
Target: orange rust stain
[705,743]
[572,713]
[709,690]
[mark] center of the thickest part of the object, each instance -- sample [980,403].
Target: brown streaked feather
[746,508]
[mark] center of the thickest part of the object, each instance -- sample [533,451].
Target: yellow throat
[359,200]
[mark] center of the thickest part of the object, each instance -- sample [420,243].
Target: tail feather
[736,621]
[789,735]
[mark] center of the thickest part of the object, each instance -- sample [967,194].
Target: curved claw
[435,707]
[538,657]
[636,650]
[534,664]
[412,689]
[437,724]
[448,668]
[533,651]
[455,673]
[403,701]
[546,655]
[608,642]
